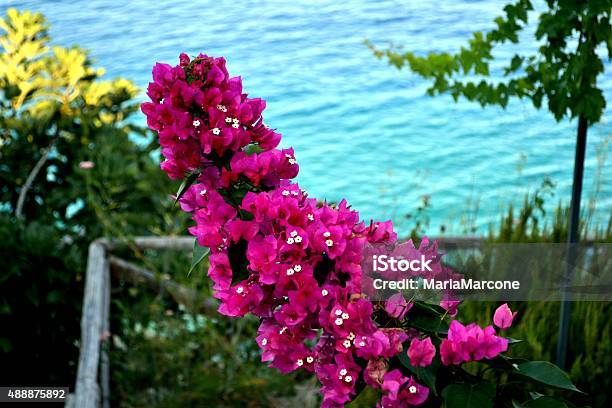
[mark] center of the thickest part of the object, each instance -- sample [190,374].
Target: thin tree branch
[30,180]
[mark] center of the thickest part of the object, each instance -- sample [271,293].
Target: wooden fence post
[87,392]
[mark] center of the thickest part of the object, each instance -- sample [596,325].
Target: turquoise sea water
[361,129]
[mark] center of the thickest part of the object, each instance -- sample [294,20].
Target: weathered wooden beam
[106,336]
[137,275]
[477,242]
[458,242]
[182,243]
[87,393]
[185,243]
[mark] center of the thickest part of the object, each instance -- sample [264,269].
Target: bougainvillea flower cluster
[281,255]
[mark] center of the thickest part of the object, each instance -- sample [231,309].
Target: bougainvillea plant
[295,262]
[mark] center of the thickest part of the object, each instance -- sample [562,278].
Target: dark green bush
[72,168]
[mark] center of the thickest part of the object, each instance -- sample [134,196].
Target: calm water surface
[361,129]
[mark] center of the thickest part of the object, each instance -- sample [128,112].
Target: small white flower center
[239,289]
[264,342]
[412,389]
[324,292]
[345,316]
[203,192]
[343,371]
[300,362]
[339,322]
[196,123]
[216,131]
[298,239]
[338,312]
[346,343]
[311,217]
[285,193]
[326,234]
[293,233]
[297,268]
[309,359]
[290,241]
[290,272]
[329,242]
[348,378]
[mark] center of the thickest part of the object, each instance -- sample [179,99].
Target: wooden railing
[92,388]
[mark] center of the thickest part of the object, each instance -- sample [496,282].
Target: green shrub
[72,168]
[165,355]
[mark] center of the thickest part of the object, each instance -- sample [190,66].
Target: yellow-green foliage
[42,81]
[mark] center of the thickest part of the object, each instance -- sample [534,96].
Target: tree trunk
[572,238]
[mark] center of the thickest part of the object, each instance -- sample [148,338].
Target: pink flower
[396,337]
[382,232]
[421,352]
[286,258]
[86,165]
[240,299]
[396,306]
[261,252]
[402,391]
[471,343]
[392,381]
[266,138]
[450,306]
[338,379]
[239,229]
[375,372]
[450,353]
[503,316]
[220,270]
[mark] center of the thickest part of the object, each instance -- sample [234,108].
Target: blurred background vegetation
[75,167]
[72,168]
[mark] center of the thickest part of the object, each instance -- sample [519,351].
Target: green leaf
[544,402]
[548,374]
[469,395]
[427,317]
[540,402]
[429,307]
[199,253]
[187,182]
[5,345]
[505,363]
[252,149]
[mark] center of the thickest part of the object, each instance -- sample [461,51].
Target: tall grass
[590,348]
